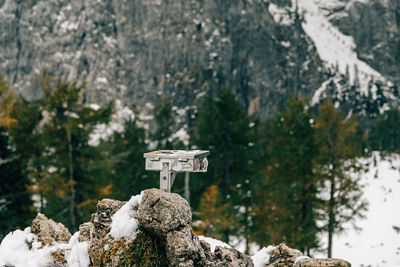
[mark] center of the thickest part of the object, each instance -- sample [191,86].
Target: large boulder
[167,216]
[48,231]
[283,256]
[161,212]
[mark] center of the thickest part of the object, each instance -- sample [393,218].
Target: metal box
[171,162]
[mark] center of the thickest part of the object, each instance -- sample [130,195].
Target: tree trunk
[331,216]
[71,182]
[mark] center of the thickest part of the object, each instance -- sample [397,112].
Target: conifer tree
[223,128]
[289,190]
[165,119]
[385,132]
[16,207]
[75,172]
[337,157]
[130,177]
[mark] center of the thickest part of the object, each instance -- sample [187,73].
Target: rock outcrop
[165,239]
[95,231]
[168,216]
[283,256]
[48,231]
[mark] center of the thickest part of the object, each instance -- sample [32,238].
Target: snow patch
[334,47]
[261,258]
[377,244]
[22,248]
[78,255]
[124,223]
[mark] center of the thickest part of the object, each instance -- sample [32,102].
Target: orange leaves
[105,191]
[7,100]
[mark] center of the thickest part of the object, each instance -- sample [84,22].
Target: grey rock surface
[134,50]
[283,256]
[375,27]
[183,247]
[168,216]
[232,257]
[161,212]
[96,230]
[322,263]
[48,231]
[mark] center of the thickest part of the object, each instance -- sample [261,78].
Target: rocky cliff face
[375,27]
[135,50]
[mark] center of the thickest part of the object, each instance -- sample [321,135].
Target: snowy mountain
[263,52]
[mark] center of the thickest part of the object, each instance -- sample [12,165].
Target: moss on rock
[144,250]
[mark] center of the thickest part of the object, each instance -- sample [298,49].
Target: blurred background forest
[85,93]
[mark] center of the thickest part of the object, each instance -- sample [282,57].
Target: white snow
[261,258]
[124,223]
[280,15]
[377,244]
[78,255]
[22,248]
[214,242]
[15,251]
[334,47]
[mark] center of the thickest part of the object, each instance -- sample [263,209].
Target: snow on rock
[261,258]
[377,244]
[124,222]
[77,255]
[15,251]
[334,47]
[213,242]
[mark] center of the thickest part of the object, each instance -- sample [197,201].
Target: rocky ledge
[164,238]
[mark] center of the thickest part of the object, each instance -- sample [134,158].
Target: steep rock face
[136,49]
[375,27]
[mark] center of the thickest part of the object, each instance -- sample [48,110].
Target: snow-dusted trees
[337,158]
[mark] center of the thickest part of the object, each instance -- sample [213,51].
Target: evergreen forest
[286,179]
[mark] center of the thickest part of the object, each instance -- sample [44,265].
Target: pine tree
[165,119]
[385,132]
[16,207]
[223,128]
[127,150]
[289,190]
[337,157]
[74,174]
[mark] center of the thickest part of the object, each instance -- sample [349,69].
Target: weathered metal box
[178,160]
